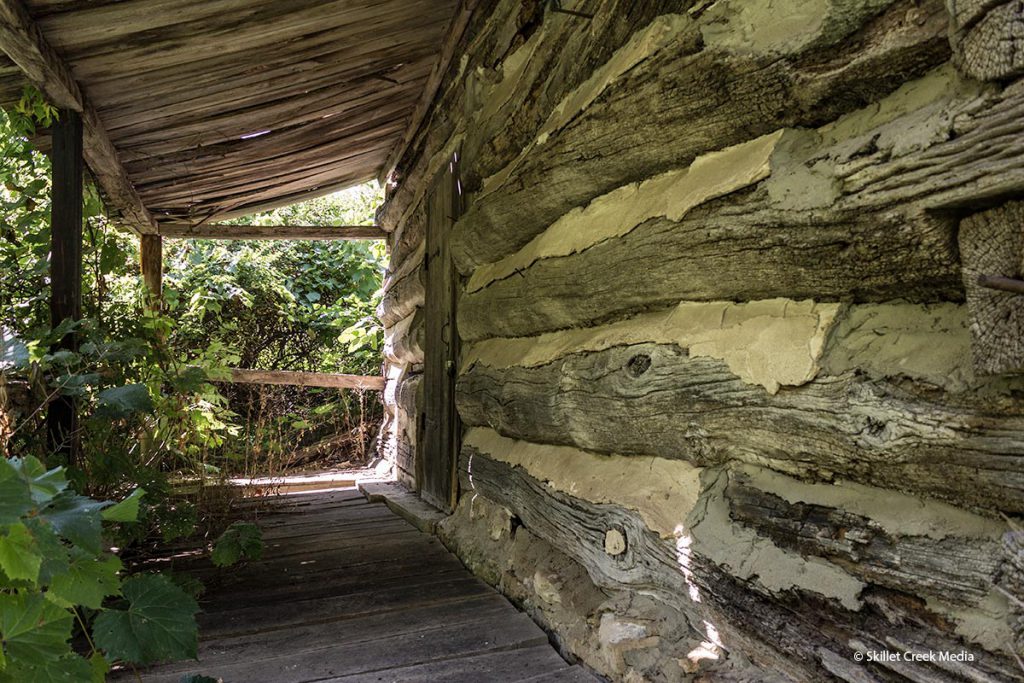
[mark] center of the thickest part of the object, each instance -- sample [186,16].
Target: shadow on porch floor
[348,591]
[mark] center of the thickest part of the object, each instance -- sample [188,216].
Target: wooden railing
[308,379]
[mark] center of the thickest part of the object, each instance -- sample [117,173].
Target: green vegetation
[154,413]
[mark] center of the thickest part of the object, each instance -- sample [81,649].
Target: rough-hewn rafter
[455,30]
[24,43]
[214,231]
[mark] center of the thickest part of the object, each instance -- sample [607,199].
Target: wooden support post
[66,267]
[152,261]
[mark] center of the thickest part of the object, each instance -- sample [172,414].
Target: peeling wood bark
[650,399]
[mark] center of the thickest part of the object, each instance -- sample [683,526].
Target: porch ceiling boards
[217,108]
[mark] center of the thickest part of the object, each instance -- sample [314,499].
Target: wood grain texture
[740,248]
[307,379]
[216,107]
[851,246]
[651,399]
[649,121]
[992,243]
[151,261]
[791,634]
[27,46]
[213,231]
[990,40]
[348,591]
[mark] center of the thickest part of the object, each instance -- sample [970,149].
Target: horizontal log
[956,569]
[842,236]
[795,633]
[649,121]
[655,399]
[213,231]
[307,379]
[738,248]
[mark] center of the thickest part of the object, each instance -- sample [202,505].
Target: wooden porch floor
[348,591]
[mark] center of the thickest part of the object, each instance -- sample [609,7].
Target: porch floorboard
[331,601]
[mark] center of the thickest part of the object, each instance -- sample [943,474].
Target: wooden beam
[457,27]
[307,379]
[25,44]
[214,231]
[66,268]
[152,261]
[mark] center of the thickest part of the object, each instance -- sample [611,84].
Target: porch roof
[199,110]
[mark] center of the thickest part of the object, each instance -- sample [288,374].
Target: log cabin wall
[735,407]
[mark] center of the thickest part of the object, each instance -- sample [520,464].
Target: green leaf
[19,554]
[119,402]
[127,510]
[77,519]
[15,494]
[67,669]
[43,484]
[199,678]
[32,629]
[158,625]
[100,667]
[87,581]
[241,540]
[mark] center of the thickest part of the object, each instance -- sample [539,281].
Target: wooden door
[437,458]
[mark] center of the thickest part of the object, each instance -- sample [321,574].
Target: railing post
[66,268]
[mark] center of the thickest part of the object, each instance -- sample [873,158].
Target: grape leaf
[67,669]
[15,495]
[159,623]
[118,402]
[87,581]
[19,554]
[127,510]
[44,485]
[77,519]
[32,630]
[241,540]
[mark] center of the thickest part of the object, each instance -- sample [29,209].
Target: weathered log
[797,634]
[650,399]
[403,343]
[213,231]
[402,296]
[990,40]
[955,569]
[307,379]
[992,244]
[736,248]
[848,244]
[648,121]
